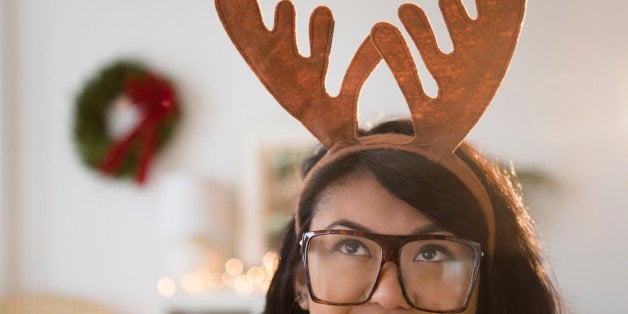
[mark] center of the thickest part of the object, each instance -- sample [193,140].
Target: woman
[390,192]
[403,219]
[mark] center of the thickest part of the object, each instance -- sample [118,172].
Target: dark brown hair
[513,281]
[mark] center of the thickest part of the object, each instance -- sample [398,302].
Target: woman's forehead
[361,200]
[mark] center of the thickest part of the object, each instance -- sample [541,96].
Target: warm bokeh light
[166,287]
[256,275]
[228,279]
[234,267]
[270,261]
[265,285]
[212,280]
[242,285]
[192,283]
[205,280]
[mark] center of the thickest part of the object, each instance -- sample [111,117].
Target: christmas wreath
[130,84]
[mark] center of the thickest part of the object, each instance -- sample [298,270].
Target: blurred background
[197,236]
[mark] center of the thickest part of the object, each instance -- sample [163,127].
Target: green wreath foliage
[90,117]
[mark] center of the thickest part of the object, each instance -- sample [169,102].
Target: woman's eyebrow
[427,229]
[430,228]
[349,224]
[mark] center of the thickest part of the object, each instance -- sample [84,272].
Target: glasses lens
[351,263]
[437,274]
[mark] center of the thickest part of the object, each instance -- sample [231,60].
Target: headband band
[433,153]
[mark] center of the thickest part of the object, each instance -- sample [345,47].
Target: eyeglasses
[437,272]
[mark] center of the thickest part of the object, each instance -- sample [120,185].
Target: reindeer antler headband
[467,78]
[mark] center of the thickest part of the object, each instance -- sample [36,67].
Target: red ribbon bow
[156,100]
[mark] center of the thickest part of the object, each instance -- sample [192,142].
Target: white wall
[562,108]
[7,142]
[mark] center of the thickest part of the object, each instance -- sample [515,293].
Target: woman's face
[360,203]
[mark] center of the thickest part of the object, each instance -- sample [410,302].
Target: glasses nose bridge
[390,250]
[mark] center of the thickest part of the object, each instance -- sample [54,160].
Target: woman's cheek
[316,308]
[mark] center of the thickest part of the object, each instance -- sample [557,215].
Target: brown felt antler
[467,78]
[297,82]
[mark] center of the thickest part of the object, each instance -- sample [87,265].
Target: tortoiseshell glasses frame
[390,251]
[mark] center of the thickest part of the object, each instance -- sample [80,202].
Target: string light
[270,261]
[234,267]
[242,285]
[256,275]
[212,280]
[166,287]
[192,283]
[255,278]
[228,279]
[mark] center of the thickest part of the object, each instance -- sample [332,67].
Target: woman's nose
[388,293]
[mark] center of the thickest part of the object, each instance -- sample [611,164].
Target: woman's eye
[354,248]
[431,254]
